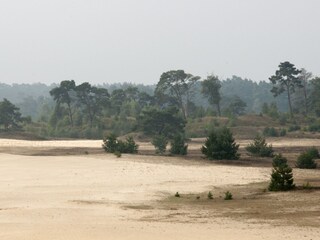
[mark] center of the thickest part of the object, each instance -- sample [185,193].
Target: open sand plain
[73,190]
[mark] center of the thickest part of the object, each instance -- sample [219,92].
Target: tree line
[70,109]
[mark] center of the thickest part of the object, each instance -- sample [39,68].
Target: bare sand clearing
[104,197]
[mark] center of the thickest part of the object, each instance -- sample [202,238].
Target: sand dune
[91,197]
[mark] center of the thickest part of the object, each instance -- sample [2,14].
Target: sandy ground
[99,196]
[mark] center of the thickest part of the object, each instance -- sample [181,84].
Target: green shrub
[306,160]
[293,128]
[220,145]
[177,194]
[260,148]
[313,152]
[315,127]
[160,143]
[129,146]
[270,132]
[111,144]
[282,132]
[228,196]
[307,186]
[117,153]
[281,176]
[283,120]
[273,132]
[178,145]
[210,195]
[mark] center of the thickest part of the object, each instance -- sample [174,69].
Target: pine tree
[281,176]
[221,145]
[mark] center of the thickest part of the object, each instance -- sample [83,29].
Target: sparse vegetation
[177,195]
[228,196]
[210,195]
[307,186]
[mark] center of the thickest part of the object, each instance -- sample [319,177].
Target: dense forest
[84,110]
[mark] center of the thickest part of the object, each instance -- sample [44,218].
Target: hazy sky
[136,40]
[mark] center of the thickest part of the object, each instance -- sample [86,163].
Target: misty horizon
[135,42]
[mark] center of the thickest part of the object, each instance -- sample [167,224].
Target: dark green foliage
[270,132]
[178,85]
[160,143]
[315,127]
[283,119]
[313,152]
[270,110]
[221,145]
[293,128]
[228,196]
[236,106]
[281,176]
[260,148]
[93,100]
[210,195]
[286,79]
[273,132]
[118,154]
[314,98]
[282,132]
[161,122]
[65,94]
[177,194]
[178,145]
[10,116]
[129,146]
[211,90]
[307,186]
[112,145]
[306,160]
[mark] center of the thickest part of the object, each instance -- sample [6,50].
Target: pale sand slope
[84,197]
[276,142]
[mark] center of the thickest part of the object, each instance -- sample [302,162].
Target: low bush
[220,145]
[293,128]
[260,148]
[307,186]
[117,153]
[314,152]
[210,195]
[315,127]
[282,132]
[273,132]
[228,196]
[270,132]
[160,143]
[178,145]
[306,160]
[112,145]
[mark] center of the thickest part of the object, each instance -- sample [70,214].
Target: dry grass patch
[252,203]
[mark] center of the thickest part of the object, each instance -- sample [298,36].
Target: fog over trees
[86,110]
